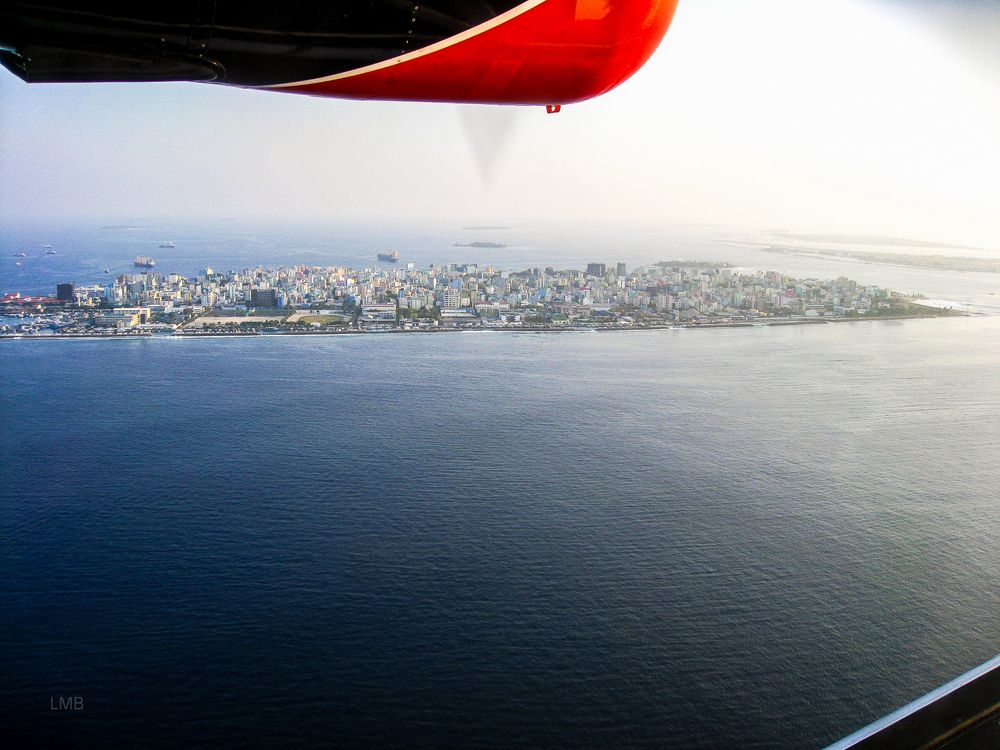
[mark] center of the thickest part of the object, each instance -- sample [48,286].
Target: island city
[335,300]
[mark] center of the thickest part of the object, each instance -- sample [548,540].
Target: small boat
[107,270]
[50,251]
[21,255]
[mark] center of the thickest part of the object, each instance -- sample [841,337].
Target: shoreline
[519,329]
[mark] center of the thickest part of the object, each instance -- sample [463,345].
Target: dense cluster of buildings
[671,292]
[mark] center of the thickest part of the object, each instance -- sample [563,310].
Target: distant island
[872,239]
[305,299]
[484,227]
[932,262]
[487,245]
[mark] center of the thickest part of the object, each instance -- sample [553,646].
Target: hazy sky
[821,115]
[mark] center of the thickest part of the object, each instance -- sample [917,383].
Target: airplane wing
[483,51]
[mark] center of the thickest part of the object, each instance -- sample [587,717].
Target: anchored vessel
[391,257]
[143,261]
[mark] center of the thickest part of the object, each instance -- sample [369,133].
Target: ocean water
[749,538]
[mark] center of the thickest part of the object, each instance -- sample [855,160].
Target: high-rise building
[64,292]
[452,298]
[620,270]
[597,269]
[263,297]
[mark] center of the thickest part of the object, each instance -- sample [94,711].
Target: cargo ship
[167,243]
[143,261]
[391,257]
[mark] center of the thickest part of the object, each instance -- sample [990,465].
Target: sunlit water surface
[730,538]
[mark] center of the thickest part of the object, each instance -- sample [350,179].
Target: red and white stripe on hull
[540,52]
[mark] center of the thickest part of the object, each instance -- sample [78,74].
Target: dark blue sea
[753,538]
